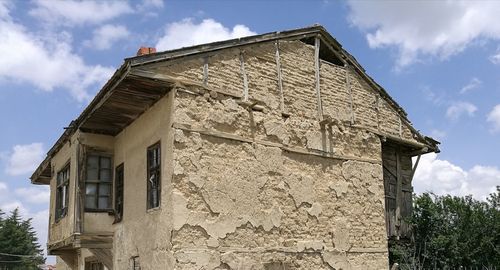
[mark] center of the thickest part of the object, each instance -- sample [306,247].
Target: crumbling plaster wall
[64,227]
[257,189]
[342,98]
[242,205]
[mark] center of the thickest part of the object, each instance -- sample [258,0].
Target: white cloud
[473,84]
[443,177]
[150,4]
[24,158]
[4,9]
[457,109]
[494,118]
[46,62]
[72,12]
[425,28]
[495,59]
[186,33]
[149,8]
[438,98]
[104,36]
[35,194]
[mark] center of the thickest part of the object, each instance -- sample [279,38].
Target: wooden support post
[205,71]
[415,167]
[348,86]
[317,43]
[280,80]
[76,206]
[82,156]
[244,75]
[399,193]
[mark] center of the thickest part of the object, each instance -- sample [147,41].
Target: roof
[112,109]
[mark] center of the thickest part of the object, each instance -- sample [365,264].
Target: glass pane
[90,189]
[105,175]
[90,202]
[157,156]
[93,162]
[92,174]
[63,196]
[154,157]
[104,190]
[65,175]
[105,162]
[103,202]
[150,158]
[59,178]
[58,197]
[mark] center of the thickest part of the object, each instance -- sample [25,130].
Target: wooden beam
[317,42]
[385,137]
[70,258]
[235,43]
[349,90]
[81,157]
[414,168]
[400,127]
[280,80]
[205,71]
[244,75]
[104,255]
[399,193]
[297,150]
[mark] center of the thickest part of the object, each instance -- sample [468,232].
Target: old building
[274,151]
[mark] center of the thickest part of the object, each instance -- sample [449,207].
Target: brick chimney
[145,50]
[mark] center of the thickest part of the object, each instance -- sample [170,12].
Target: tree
[450,233]
[19,248]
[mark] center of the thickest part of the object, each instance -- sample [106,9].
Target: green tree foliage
[451,233]
[19,248]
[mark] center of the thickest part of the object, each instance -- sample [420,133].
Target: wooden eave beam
[221,45]
[43,173]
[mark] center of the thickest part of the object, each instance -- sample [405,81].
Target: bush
[450,232]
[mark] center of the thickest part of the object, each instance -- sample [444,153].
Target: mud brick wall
[273,189]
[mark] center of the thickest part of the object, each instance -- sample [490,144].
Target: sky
[440,60]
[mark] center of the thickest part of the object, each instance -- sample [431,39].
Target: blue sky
[440,60]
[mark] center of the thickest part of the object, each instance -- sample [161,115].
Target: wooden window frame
[153,180]
[135,263]
[95,265]
[98,182]
[62,185]
[119,192]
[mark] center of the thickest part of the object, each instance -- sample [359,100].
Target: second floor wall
[88,189]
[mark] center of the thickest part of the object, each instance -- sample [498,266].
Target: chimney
[145,50]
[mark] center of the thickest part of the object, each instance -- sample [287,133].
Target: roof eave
[231,43]
[74,124]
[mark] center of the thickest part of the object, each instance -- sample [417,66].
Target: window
[62,192]
[98,183]
[94,266]
[154,177]
[134,263]
[119,193]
